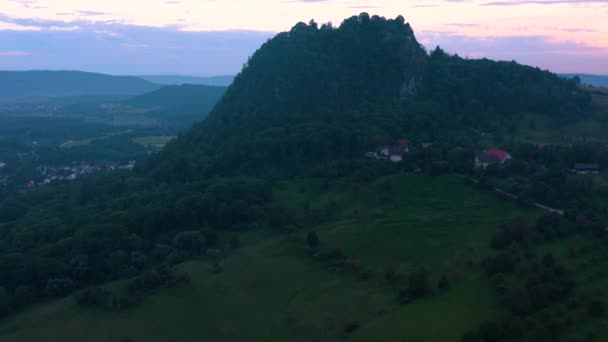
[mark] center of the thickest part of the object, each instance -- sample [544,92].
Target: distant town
[46,174]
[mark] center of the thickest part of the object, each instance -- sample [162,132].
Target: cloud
[11,26]
[14,53]
[64,28]
[463,25]
[540,2]
[541,51]
[118,48]
[92,13]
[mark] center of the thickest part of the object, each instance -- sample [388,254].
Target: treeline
[540,295]
[63,238]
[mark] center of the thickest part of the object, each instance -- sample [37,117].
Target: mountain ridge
[221,80]
[50,83]
[325,91]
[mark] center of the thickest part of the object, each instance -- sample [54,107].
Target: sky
[215,37]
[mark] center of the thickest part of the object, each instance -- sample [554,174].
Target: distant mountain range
[223,81]
[594,80]
[23,84]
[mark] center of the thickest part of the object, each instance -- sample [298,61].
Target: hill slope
[186,97]
[273,290]
[20,84]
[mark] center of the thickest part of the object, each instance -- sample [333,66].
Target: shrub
[419,283]
[59,287]
[596,308]
[313,240]
[443,284]
[92,297]
[235,242]
[351,327]
[192,242]
[391,275]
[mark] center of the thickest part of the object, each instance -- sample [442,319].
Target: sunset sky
[212,37]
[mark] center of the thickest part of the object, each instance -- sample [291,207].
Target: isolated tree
[59,287]
[419,282]
[235,242]
[471,336]
[313,240]
[391,274]
[596,308]
[443,284]
[5,302]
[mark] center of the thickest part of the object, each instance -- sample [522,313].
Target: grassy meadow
[273,289]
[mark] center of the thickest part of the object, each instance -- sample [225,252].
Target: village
[484,159]
[45,175]
[77,170]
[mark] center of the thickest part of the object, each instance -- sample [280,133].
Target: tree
[235,242]
[443,283]
[391,274]
[92,297]
[59,287]
[471,336]
[190,241]
[5,302]
[490,332]
[419,283]
[596,308]
[313,240]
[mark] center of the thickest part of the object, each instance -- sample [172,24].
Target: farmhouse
[586,169]
[492,156]
[392,153]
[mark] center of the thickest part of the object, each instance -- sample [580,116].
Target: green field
[77,143]
[274,290]
[156,141]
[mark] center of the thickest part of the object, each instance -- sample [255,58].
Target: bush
[596,308]
[59,287]
[192,242]
[391,275]
[93,297]
[419,283]
[471,336]
[443,284]
[351,327]
[313,240]
[235,242]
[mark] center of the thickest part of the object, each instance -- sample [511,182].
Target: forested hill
[21,84]
[321,93]
[187,97]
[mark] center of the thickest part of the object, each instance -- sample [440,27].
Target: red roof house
[492,156]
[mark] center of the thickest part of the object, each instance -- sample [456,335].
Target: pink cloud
[14,53]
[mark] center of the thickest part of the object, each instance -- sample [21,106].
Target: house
[383,152]
[396,153]
[586,169]
[392,153]
[492,156]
